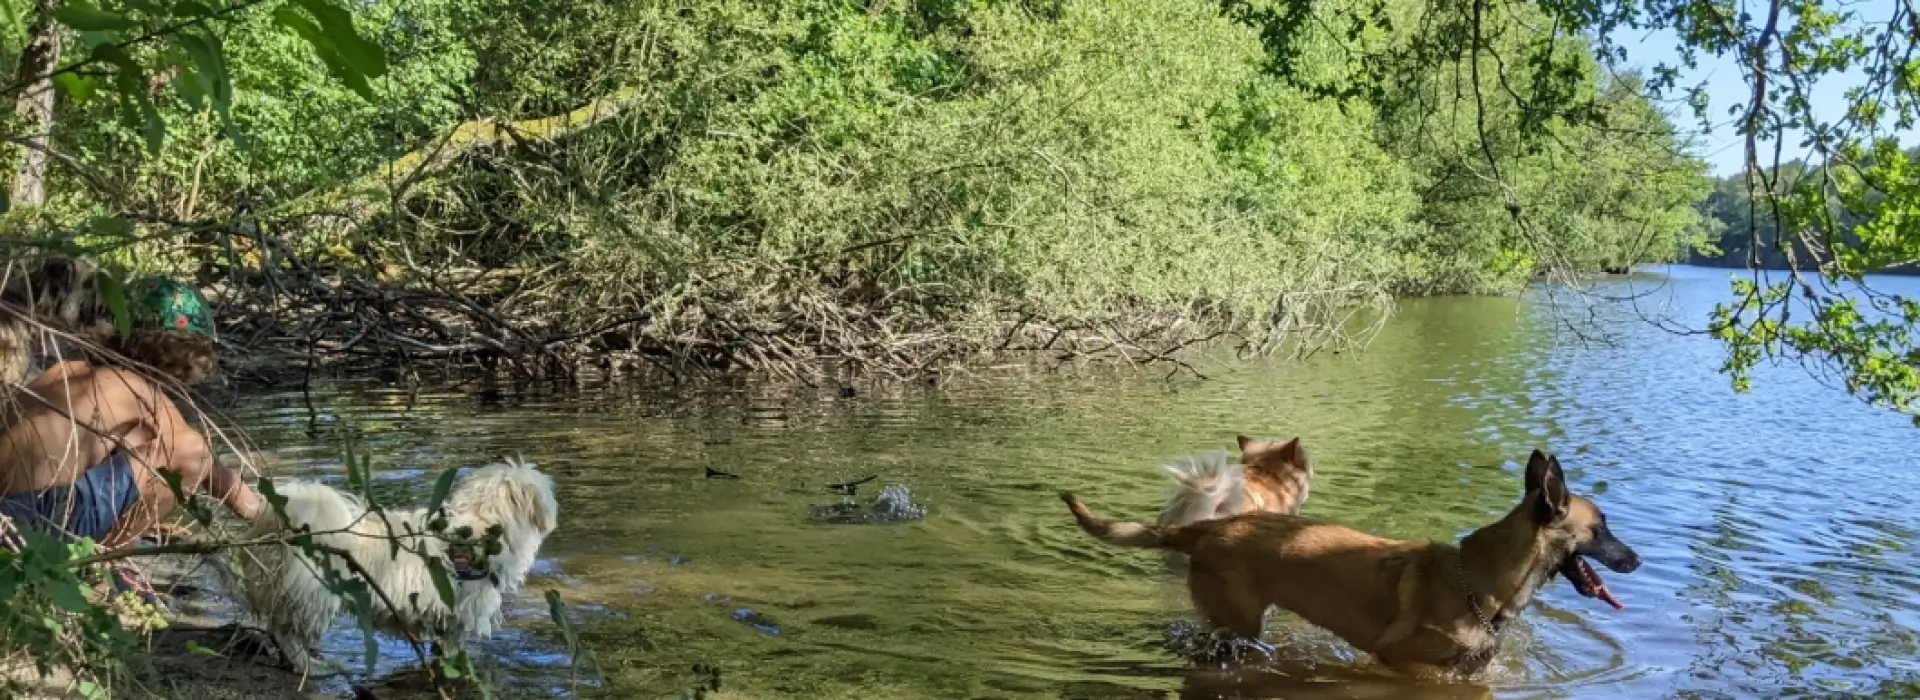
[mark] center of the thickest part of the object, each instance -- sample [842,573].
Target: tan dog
[1272,477]
[1418,607]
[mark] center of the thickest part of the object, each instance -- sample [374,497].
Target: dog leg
[299,657]
[1225,605]
[1407,617]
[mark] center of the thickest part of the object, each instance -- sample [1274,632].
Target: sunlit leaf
[79,88]
[113,294]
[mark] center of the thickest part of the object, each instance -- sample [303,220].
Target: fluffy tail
[318,506]
[1201,484]
[1176,538]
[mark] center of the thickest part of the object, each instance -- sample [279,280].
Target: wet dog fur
[285,588]
[1271,477]
[1417,607]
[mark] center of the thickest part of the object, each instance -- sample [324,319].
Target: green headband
[163,304]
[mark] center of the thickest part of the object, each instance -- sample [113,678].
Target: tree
[1822,309]
[34,104]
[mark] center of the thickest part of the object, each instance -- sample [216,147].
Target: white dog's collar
[463,570]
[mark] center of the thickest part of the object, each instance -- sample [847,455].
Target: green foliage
[50,614]
[127,43]
[1859,221]
[1867,220]
[981,156]
[1831,216]
[1572,170]
[1247,162]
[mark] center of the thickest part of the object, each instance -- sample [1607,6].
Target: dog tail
[1174,537]
[314,505]
[1201,484]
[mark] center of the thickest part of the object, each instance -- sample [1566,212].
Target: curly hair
[187,357]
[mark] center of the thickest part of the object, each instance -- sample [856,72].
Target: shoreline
[204,653]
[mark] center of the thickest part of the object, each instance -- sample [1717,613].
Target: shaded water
[1775,527]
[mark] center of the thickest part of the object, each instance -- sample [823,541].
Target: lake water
[1776,527]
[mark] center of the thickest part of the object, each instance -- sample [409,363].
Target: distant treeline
[1748,234]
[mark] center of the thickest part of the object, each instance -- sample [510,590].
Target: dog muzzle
[464,570]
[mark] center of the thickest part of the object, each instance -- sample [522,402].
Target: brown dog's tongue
[1607,596]
[1599,588]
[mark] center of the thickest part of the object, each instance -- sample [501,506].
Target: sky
[1722,148]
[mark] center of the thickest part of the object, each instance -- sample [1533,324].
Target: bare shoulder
[118,382]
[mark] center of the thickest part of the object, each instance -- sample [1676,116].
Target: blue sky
[1723,149]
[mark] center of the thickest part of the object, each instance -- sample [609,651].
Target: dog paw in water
[894,504]
[316,667]
[1201,645]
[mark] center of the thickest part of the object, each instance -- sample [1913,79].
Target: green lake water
[1776,527]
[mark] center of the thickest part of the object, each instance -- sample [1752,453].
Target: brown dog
[1272,477]
[1418,607]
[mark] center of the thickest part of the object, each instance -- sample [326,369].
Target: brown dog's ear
[1536,470]
[1244,442]
[1294,453]
[1548,485]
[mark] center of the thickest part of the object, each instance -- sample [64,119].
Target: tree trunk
[35,105]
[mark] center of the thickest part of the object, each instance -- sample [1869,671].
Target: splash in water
[1202,645]
[894,504]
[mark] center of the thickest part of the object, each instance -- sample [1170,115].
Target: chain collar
[1488,624]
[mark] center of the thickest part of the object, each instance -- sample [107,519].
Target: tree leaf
[372,642]
[442,583]
[324,46]
[82,16]
[116,57]
[442,487]
[192,90]
[68,595]
[76,87]
[210,66]
[114,296]
[276,502]
[152,126]
[136,108]
[364,57]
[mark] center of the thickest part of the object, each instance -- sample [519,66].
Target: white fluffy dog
[286,590]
